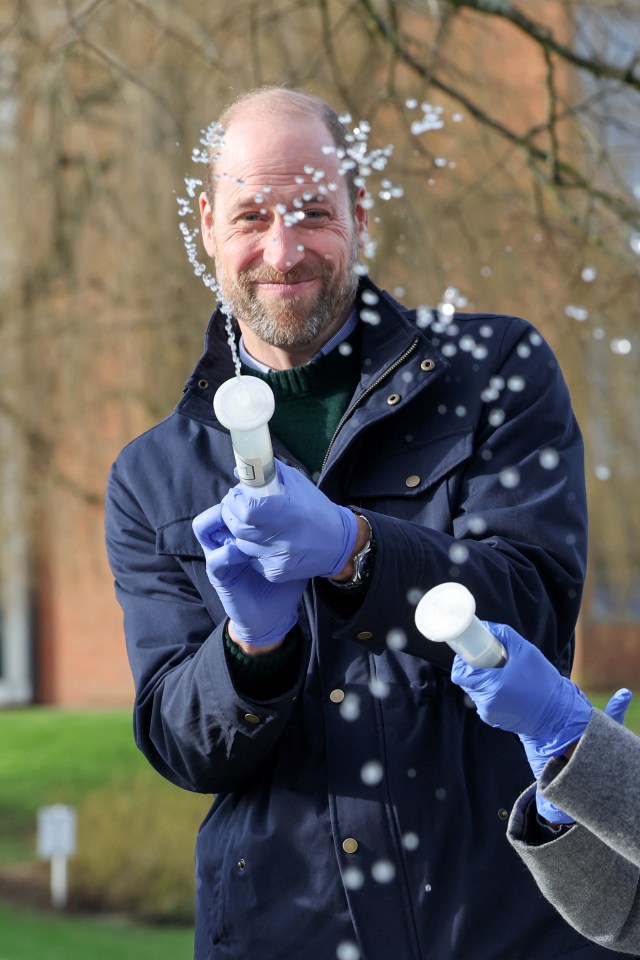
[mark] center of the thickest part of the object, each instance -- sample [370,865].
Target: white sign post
[57,842]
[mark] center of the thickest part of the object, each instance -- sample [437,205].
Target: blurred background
[513,185]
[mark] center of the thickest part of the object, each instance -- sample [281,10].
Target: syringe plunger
[244,405]
[446,613]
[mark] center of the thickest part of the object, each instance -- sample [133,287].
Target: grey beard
[282,326]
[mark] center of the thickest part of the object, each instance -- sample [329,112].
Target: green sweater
[310,402]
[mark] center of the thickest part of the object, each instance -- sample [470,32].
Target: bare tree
[513,185]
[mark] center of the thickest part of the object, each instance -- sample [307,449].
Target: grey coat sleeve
[591,873]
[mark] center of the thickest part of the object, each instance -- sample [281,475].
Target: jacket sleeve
[509,520]
[591,873]
[600,785]
[190,721]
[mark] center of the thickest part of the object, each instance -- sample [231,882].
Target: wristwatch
[361,562]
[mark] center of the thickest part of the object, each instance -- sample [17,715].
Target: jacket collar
[387,330]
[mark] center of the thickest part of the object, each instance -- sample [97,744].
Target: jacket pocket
[412,480]
[176,538]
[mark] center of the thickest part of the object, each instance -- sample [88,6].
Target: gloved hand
[527,696]
[294,535]
[537,756]
[531,698]
[260,612]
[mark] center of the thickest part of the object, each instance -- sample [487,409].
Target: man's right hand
[260,613]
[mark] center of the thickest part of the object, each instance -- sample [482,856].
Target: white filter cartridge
[244,405]
[446,613]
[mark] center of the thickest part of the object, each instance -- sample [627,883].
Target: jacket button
[349,845]
[428,365]
[364,635]
[251,718]
[203,384]
[503,814]
[336,696]
[393,398]
[412,481]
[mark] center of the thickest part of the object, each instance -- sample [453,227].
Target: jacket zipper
[365,393]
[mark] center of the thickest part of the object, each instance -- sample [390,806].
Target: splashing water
[228,325]
[366,163]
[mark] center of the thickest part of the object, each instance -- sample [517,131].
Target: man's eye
[315,214]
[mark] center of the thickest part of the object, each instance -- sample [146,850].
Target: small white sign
[56,831]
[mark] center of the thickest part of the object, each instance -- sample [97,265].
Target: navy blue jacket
[368,805]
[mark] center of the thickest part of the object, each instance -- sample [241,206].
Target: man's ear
[206,225]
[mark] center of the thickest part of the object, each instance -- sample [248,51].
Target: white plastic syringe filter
[244,403]
[445,612]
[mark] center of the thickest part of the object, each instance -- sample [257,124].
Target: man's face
[285,239]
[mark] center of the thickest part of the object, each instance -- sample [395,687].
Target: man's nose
[282,248]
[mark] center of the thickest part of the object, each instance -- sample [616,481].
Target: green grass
[57,756]
[26,935]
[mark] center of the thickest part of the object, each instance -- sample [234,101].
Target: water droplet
[449,350]
[427,888]
[602,472]
[576,313]
[634,242]
[347,950]
[411,773]
[383,871]
[411,841]
[549,458]
[589,274]
[345,349]
[458,553]
[467,343]
[370,297]
[370,316]
[461,411]
[496,417]
[397,638]
[414,596]
[621,346]
[379,688]
[440,792]
[353,878]
[350,707]
[372,773]
[509,477]
[523,350]
[517,384]
[477,525]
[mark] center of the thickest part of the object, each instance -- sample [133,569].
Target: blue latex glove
[260,612]
[294,535]
[527,696]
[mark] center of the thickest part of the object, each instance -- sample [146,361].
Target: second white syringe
[244,405]
[446,613]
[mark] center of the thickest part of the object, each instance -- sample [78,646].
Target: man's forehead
[279,150]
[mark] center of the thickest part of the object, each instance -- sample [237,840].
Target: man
[361,807]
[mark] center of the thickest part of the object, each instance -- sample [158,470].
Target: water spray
[446,614]
[244,405]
